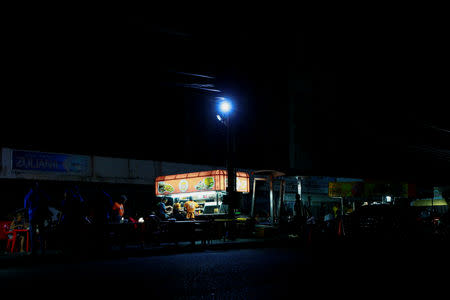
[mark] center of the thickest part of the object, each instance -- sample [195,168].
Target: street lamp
[225,107]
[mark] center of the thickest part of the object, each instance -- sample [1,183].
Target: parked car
[443,227]
[385,221]
[378,221]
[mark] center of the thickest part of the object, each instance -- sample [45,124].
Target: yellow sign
[345,189]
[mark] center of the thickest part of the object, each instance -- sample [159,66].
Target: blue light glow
[225,106]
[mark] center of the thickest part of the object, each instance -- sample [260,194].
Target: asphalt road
[252,273]
[215,274]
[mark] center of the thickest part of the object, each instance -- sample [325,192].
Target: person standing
[299,218]
[297,205]
[190,207]
[72,220]
[335,210]
[119,209]
[102,207]
[36,202]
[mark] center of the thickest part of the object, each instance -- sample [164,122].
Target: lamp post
[225,108]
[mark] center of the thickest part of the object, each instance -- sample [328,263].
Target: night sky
[373,99]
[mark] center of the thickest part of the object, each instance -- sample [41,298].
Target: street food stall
[207,188]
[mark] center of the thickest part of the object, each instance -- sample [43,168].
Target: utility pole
[231,172]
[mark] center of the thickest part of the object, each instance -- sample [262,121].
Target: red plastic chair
[15,237]
[10,241]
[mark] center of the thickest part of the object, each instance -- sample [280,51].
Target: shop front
[207,188]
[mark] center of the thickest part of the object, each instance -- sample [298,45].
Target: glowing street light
[225,106]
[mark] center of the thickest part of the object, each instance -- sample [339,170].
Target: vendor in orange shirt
[118,209]
[190,207]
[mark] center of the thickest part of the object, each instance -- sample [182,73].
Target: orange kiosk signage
[199,182]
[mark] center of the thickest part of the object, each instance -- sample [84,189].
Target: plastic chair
[11,241]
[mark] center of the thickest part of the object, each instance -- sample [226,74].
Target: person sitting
[19,223]
[177,206]
[162,211]
[177,213]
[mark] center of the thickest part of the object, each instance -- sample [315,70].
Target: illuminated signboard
[33,161]
[199,182]
[345,189]
[360,189]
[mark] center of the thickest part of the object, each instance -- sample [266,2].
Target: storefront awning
[370,189]
[429,202]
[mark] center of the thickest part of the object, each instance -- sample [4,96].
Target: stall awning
[368,189]
[215,180]
[429,202]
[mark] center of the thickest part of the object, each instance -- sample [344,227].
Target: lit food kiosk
[207,188]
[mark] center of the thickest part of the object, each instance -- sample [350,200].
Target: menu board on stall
[188,185]
[199,182]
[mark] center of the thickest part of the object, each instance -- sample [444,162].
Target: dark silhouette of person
[161,209]
[102,205]
[36,201]
[299,218]
[297,205]
[72,220]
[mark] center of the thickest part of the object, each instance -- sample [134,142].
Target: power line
[437,128]
[439,153]
[195,75]
[199,86]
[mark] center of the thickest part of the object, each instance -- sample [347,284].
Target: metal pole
[271,199]
[432,208]
[342,215]
[280,198]
[253,197]
[230,166]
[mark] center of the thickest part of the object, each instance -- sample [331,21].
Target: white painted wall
[106,169]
